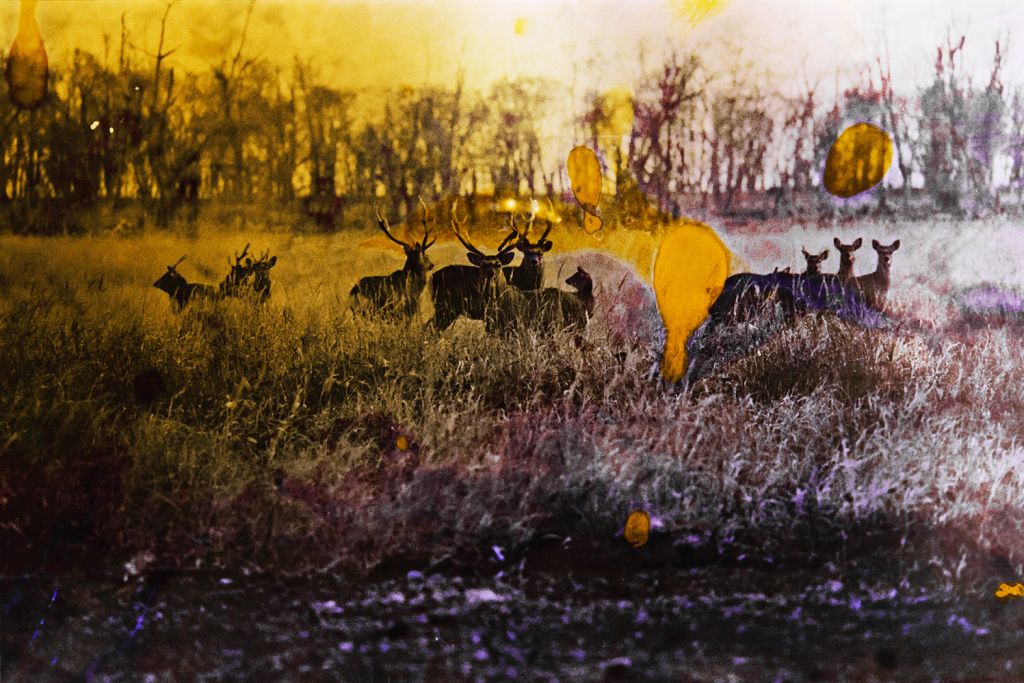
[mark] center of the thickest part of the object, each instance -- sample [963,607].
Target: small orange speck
[402,443]
[638,527]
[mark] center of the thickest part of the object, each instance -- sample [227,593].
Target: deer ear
[823,255]
[837,243]
[506,258]
[804,252]
[546,245]
[895,245]
[272,262]
[857,243]
[875,245]
[475,259]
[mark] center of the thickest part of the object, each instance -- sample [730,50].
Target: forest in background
[126,128]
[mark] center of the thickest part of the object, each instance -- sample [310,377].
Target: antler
[176,263]
[383,225]
[239,257]
[551,211]
[426,232]
[456,224]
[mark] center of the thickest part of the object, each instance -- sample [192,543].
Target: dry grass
[277,436]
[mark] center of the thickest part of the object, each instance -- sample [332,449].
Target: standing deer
[397,294]
[875,286]
[181,290]
[529,274]
[846,257]
[814,261]
[469,290]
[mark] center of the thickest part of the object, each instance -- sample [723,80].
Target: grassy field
[276,440]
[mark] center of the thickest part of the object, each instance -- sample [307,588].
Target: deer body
[182,291]
[846,257]
[874,287]
[398,293]
[546,308]
[474,290]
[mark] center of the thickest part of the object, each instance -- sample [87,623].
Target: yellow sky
[599,44]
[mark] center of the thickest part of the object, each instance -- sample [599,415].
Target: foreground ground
[297,436]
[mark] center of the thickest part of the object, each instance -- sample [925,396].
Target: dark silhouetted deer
[529,274]
[260,270]
[181,290]
[814,261]
[545,309]
[846,257]
[236,283]
[469,290]
[397,294]
[874,287]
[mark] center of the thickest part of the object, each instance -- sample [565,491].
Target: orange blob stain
[858,160]
[402,442]
[689,274]
[638,528]
[27,65]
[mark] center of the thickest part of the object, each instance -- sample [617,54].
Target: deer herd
[506,297]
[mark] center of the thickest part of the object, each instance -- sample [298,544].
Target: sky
[583,45]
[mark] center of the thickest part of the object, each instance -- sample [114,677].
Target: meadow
[302,436]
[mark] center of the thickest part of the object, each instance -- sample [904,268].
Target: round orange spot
[402,442]
[858,160]
[638,528]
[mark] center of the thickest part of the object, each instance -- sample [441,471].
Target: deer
[182,291]
[260,270]
[814,262]
[398,293]
[546,308]
[529,275]
[846,257]
[874,287]
[469,290]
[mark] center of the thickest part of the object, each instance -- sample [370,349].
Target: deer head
[260,270]
[533,252]
[172,280]
[846,256]
[416,253]
[487,263]
[884,253]
[814,261]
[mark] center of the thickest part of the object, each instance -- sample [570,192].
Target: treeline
[129,128]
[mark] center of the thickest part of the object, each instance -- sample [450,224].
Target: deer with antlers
[529,275]
[471,290]
[398,293]
[234,284]
[181,290]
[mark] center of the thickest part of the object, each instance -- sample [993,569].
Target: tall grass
[299,434]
